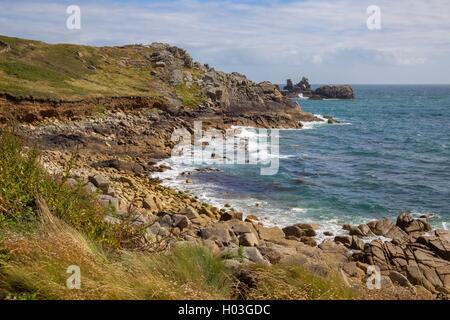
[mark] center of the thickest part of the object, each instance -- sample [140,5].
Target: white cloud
[273,39]
[317,59]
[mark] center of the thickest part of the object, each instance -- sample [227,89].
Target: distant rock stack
[302,87]
[336,92]
[304,84]
[289,85]
[324,92]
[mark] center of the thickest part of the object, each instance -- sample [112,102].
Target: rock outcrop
[324,92]
[335,92]
[422,257]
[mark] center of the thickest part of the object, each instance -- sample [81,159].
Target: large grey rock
[151,204]
[190,212]
[253,254]
[293,231]
[272,254]
[411,226]
[112,220]
[157,230]
[176,77]
[439,243]
[345,240]
[240,227]
[166,221]
[272,234]
[248,240]
[100,182]
[398,278]
[181,222]
[388,229]
[231,214]
[220,234]
[90,188]
[109,201]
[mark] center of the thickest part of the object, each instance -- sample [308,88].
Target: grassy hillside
[63,71]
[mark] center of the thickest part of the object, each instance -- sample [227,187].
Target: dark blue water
[390,154]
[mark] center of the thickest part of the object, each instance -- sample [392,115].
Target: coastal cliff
[102,119]
[39,80]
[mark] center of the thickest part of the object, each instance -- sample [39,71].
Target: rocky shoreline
[414,260]
[111,146]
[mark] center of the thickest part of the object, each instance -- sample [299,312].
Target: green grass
[190,96]
[64,72]
[23,180]
[36,246]
[31,72]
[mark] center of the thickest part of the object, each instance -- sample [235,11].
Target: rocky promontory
[156,76]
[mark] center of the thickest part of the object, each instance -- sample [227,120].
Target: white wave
[312,124]
[248,132]
[300,210]
[268,214]
[307,125]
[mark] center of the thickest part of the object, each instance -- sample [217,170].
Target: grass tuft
[24,180]
[291,282]
[190,96]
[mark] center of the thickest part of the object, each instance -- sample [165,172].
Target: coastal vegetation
[83,131]
[47,225]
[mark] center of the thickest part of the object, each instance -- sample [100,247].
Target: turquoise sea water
[390,154]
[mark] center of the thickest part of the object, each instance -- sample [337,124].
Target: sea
[389,154]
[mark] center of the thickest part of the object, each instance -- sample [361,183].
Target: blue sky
[325,40]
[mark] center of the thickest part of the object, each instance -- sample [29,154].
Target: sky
[327,41]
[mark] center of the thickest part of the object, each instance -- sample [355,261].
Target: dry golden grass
[37,263]
[293,282]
